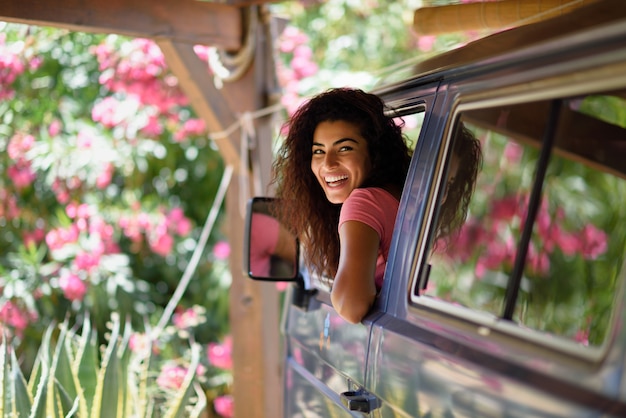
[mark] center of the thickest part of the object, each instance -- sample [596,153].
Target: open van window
[544,237]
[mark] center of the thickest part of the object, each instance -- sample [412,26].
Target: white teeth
[335,178]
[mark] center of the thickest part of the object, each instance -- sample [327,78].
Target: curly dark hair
[304,208]
[453,211]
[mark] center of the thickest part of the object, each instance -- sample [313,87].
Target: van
[519,312]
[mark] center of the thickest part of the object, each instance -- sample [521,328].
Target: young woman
[340,174]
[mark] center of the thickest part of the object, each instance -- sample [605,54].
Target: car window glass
[574,253]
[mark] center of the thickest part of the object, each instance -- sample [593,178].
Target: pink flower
[221,250]
[73,287]
[504,209]
[171,376]
[188,318]
[568,243]
[224,405]
[140,342]
[202,52]
[105,176]
[12,315]
[594,242]
[87,261]
[55,128]
[19,145]
[162,244]
[178,222]
[426,43]
[220,355]
[22,175]
[282,286]
[33,237]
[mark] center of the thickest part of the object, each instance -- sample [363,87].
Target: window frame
[472,96]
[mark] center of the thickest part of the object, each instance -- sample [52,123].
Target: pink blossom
[54,128]
[19,145]
[33,237]
[12,315]
[220,355]
[153,127]
[105,176]
[8,205]
[221,250]
[582,336]
[162,244]
[73,287]
[426,43]
[504,209]
[140,342]
[57,238]
[202,52]
[176,219]
[194,126]
[84,140]
[107,112]
[513,152]
[282,286]
[594,242]
[171,376]
[224,406]
[21,175]
[86,261]
[188,318]
[567,242]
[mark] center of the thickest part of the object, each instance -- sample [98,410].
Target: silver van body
[520,313]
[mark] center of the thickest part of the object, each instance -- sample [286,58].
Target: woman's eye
[345,148]
[317,151]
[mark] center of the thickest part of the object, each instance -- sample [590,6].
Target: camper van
[520,313]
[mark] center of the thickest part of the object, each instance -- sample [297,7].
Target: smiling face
[340,159]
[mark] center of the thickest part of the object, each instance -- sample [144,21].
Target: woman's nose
[330,160]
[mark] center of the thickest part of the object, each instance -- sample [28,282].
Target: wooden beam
[208,102]
[581,138]
[490,15]
[187,21]
[595,14]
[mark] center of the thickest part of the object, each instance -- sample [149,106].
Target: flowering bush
[107,177]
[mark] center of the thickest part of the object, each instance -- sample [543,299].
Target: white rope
[252,115]
[197,253]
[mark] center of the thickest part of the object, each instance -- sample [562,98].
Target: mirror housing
[271,252]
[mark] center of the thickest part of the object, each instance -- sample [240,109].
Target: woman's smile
[340,159]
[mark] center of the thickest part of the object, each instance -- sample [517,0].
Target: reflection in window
[576,250]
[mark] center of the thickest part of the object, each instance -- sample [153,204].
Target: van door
[326,357]
[518,310]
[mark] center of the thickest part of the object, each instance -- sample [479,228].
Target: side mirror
[270,251]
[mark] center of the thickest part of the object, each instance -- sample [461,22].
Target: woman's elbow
[353,310]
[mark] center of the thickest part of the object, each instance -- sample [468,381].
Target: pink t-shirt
[377,208]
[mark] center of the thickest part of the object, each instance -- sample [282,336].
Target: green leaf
[85,366]
[63,372]
[21,397]
[105,403]
[4,373]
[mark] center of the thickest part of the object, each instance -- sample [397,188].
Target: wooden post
[254,306]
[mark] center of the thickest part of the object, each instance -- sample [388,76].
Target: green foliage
[71,379]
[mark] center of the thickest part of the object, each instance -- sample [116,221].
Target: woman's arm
[354,288]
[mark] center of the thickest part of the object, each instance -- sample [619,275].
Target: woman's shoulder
[375,193]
